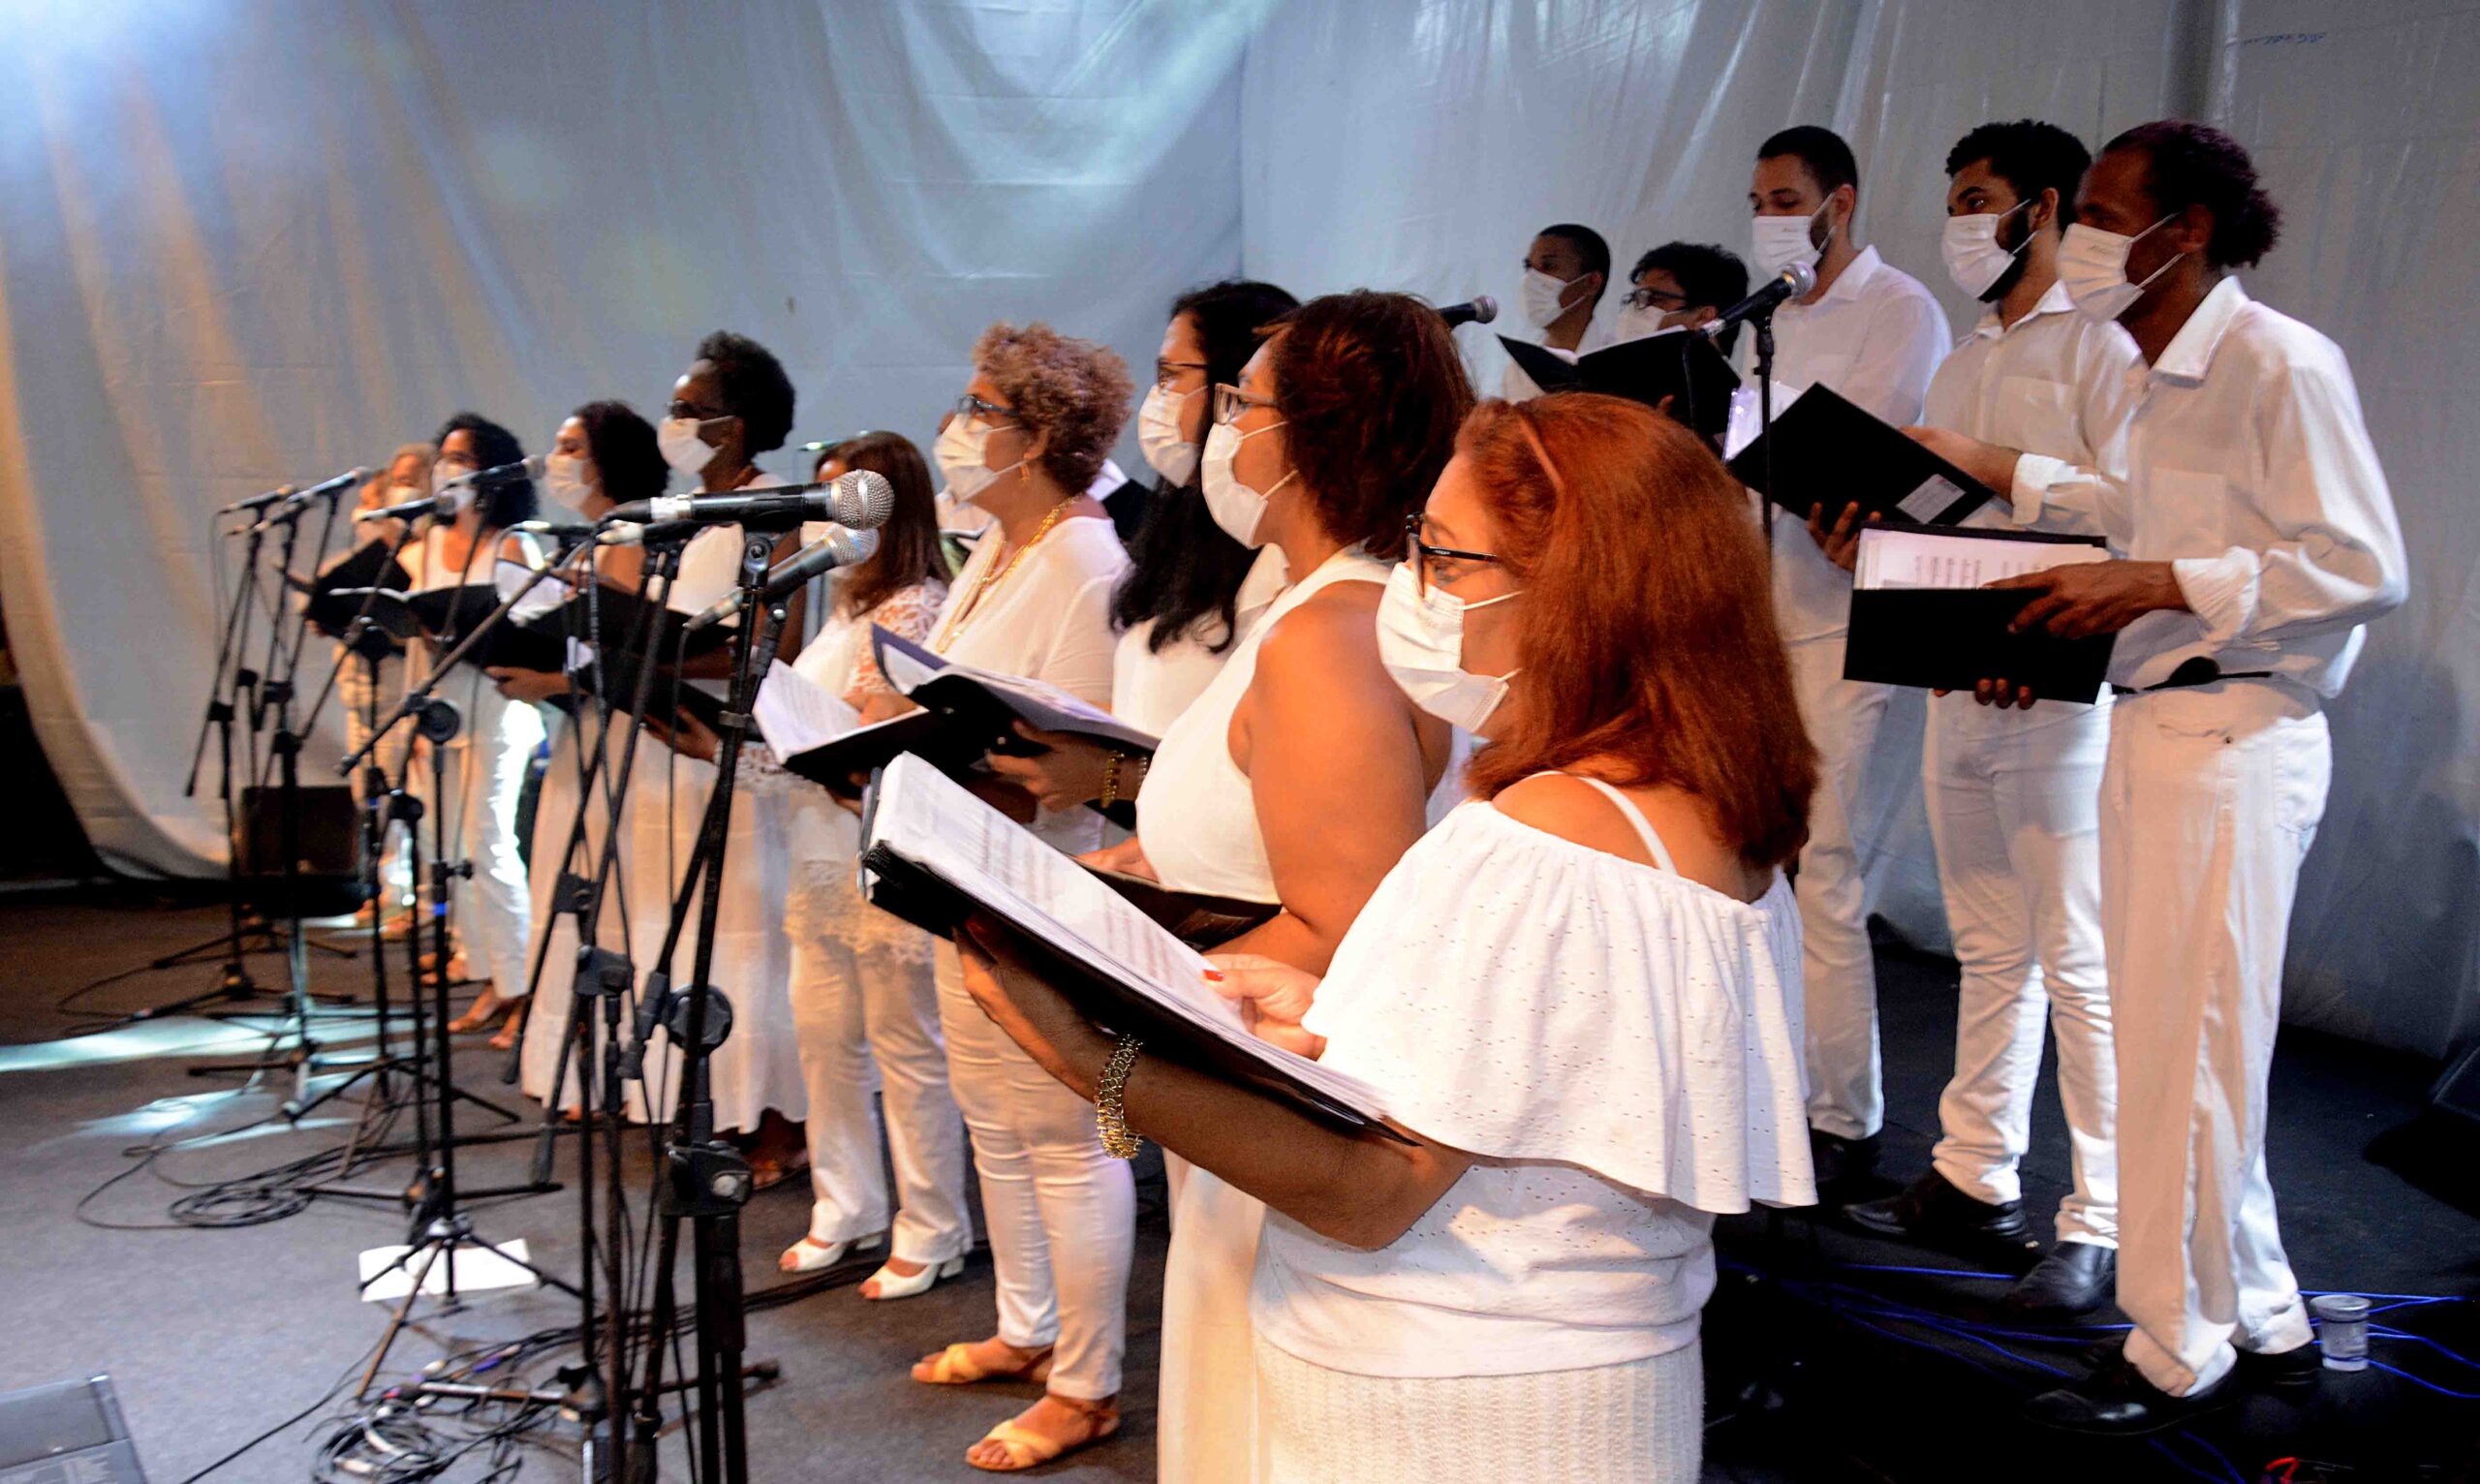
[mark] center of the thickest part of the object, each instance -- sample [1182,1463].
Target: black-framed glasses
[1166,372]
[1424,555]
[974,408]
[694,412]
[1231,403]
[1663,299]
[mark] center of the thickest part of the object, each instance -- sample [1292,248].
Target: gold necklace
[990,579]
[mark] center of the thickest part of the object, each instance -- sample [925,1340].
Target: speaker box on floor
[69,1433]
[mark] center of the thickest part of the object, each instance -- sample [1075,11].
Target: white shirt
[1516,386]
[964,518]
[2250,470]
[1874,337]
[1150,687]
[1619,1045]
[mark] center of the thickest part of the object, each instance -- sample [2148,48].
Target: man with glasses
[1682,286]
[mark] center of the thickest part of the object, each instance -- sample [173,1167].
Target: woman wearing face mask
[370,677]
[1035,600]
[1192,591]
[1523,1283]
[603,456]
[499,737]
[1301,774]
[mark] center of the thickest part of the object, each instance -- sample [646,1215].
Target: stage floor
[214,1335]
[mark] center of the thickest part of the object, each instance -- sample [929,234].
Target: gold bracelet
[1110,1117]
[1111,780]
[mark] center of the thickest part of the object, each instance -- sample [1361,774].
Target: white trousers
[2014,805]
[865,1019]
[1208,1430]
[1062,1212]
[1839,976]
[2209,805]
[362,696]
[494,909]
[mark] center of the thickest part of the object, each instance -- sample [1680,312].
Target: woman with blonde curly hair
[1026,440]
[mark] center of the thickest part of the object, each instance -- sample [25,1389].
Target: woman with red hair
[1578,996]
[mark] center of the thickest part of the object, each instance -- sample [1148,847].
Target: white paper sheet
[1892,559]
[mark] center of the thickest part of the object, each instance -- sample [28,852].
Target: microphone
[1791,283]
[298,501]
[255,501]
[451,499]
[527,468]
[1480,309]
[840,548]
[635,533]
[858,501]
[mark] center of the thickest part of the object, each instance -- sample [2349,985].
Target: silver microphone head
[854,547]
[860,500]
[1484,309]
[1803,279]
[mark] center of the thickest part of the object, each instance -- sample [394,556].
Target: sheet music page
[1891,561]
[1042,693]
[903,671]
[794,715]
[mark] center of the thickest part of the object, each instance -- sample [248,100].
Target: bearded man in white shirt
[1873,334]
[2258,538]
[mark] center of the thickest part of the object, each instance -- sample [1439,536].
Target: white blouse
[1621,1048]
[1150,688]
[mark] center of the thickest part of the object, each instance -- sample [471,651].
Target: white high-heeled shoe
[808,1257]
[895,1286]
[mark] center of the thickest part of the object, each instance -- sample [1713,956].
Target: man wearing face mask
[2014,797]
[1874,335]
[1564,273]
[2257,537]
[1680,285]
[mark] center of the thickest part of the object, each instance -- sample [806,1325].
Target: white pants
[1838,975]
[1062,1212]
[2014,805]
[494,909]
[362,695]
[872,1018]
[1208,1430]
[2210,802]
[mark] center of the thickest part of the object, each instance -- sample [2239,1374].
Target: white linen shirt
[1874,337]
[2250,470]
[2054,385]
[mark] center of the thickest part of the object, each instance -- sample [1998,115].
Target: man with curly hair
[2258,538]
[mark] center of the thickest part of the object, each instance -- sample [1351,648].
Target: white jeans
[2209,805]
[1062,1212]
[2014,804]
[493,906]
[1838,975]
[1208,1429]
[864,1018]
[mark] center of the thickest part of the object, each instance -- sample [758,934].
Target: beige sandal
[1029,1449]
[955,1366]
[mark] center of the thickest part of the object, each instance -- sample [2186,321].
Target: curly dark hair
[754,388]
[503,505]
[2187,164]
[1370,390]
[1182,569]
[625,454]
[2029,156]
[1075,390]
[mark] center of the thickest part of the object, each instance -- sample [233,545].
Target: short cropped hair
[1828,159]
[1075,390]
[2187,164]
[752,386]
[2029,156]
[1591,248]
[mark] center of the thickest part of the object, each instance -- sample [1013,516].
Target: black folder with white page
[816,736]
[934,854]
[1922,616]
[986,701]
[1828,453]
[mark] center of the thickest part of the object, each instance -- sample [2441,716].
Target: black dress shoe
[2075,1278]
[2121,1402]
[2292,1370]
[1842,1165]
[1932,1211]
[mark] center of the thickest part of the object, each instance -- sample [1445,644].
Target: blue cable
[2445,1391]
[1888,1267]
[2184,1467]
[2383,1333]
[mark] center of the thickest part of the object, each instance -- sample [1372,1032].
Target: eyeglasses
[973,409]
[1166,372]
[1433,564]
[1231,403]
[693,411]
[1663,299]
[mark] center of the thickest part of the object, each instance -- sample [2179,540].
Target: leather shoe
[2293,1369]
[1932,1211]
[2075,1278]
[2118,1401]
[1842,1165]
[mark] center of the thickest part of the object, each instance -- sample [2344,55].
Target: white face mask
[1158,433]
[1235,506]
[1776,243]
[1539,298]
[963,453]
[1973,258]
[564,480]
[677,440]
[1639,322]
[1420,640]
[2092,263]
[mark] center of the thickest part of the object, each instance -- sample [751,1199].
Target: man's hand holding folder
[2081,603]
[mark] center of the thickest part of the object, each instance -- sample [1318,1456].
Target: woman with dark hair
[862,994]
[499,736]
[1299,775]
[1523,1280]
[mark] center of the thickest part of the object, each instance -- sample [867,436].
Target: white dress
[1150,688]
[1619,1048]
[1198,820]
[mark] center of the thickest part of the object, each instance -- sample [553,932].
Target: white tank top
[1196,814]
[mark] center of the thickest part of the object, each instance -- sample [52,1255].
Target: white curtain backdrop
[256,240]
